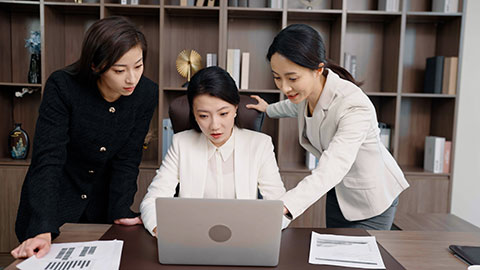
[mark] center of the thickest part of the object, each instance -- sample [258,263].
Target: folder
[469,254]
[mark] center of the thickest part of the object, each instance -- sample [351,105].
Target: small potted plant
[34,46]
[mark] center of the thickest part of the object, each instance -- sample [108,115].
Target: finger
[43,250]
[15,251]
[252,106]
[255,97]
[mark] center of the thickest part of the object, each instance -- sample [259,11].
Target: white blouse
[220,182]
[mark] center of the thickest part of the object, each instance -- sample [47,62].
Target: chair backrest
[247,118]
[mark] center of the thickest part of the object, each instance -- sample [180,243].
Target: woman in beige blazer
[338,124]
[215,159]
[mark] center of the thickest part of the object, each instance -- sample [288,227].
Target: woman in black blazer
[88,141]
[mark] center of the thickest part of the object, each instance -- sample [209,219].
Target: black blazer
[85,157]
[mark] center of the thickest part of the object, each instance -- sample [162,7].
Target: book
[274,3]
[350,64]
[134,2]
[233,3]
[200,3]
[446,156]
[468,254]
[167,135]
[385,132]
[257,3]
[243,3]
[123,2]
[211,59]
[183,2]
[211,3]
[434,151]
[449,82]
[311,161]
[233,65]
[245,70]
[389,5]
[433,75]
[446,6]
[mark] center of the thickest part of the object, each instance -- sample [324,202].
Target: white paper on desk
[78,255]
[346,251]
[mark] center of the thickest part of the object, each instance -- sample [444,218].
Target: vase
[18,142]
[34,72]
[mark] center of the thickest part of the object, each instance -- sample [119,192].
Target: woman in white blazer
[215,159]
[338,124]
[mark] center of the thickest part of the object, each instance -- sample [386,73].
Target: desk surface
[419,250]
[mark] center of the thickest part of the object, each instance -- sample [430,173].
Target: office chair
[179,112]
[247,118]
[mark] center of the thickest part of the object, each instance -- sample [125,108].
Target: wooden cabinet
[391,48]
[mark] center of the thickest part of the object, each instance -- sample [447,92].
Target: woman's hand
[39,245]
[128,221]
[260,106]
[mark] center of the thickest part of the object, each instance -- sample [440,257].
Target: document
[346,251]
[79,255]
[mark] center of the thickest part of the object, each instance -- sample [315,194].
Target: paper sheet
[79,255]
[346,251]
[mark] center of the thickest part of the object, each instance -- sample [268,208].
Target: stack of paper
[80,255]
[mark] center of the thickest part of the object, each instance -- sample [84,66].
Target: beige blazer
[352,159]
[255,168]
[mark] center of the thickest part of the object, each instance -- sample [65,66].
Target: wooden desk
[416,250]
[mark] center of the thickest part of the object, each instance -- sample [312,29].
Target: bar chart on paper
[79,255]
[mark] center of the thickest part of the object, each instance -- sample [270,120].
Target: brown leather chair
[247,118]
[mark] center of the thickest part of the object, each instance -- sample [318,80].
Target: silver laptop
[219,231]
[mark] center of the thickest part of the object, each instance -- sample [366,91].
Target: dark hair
[213,81]
[304,46]
[106,41]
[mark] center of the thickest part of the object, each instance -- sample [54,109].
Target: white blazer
[352,159]
[186,162]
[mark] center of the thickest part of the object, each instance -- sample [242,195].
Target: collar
[226,149]
[328,91]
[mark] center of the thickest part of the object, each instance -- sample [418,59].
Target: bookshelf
[391,48]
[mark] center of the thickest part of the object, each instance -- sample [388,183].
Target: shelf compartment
[199,32]
[327,24]
[16,23]
[365,5]
[140,3]
[421,117]
[188,11]
[22,110]
[147,19]
[254,13]
[65,27]
[375,41]
[423,40]
[425,5]
[385,108]
[240,33]
[316,5]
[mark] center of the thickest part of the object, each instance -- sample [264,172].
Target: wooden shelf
[419,171]
[15,162]
[30,85]
[427,95]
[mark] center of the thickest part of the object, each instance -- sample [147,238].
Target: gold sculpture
[188,63]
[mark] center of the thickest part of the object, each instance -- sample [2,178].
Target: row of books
[255,3]
[437,154]
[445,6]
[198,3]
[441,75]
[350,63]
[238,65]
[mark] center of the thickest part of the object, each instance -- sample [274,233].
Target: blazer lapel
[302,137]
[198,161]
[241,165]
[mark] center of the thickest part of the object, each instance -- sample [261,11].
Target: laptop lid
[219,231]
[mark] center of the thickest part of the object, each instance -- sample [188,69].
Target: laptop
[219,231]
